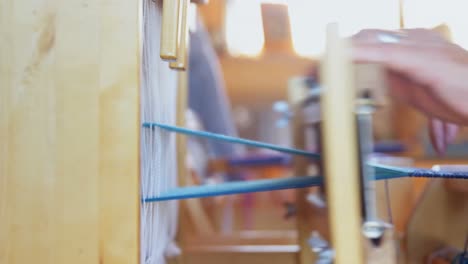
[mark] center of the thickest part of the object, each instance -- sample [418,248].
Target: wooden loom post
[181,45]
[303,208]
[181,142]
[341,150]
[70,131]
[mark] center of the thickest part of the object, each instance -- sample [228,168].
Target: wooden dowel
[169,29]
[340,149]
[182,53]
[182,170]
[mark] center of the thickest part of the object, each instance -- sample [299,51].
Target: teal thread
[235,140]
[382,172]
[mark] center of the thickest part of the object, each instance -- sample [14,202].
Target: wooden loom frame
[70,128]
[67,199]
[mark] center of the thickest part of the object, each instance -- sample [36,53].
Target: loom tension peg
[284,111]
[180,62]
[317,200]
[175,32]
[375,230]
[321,248]
[368,102]
[169,29]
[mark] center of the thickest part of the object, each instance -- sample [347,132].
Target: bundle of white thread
[158,148]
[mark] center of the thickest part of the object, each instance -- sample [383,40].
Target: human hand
[442,134]
[424,70]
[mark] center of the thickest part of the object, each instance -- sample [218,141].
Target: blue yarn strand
[235,140]
[239,187]
[382,172]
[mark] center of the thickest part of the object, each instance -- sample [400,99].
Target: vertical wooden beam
[341,150]
[69,85]
[182,172]
[76,102]
[303,217]
[119,131]
[5,81]
[182,102]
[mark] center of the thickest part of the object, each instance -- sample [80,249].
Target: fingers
[451,132]
[414,54]
[442,134]
[406,36]
[421,76]
[411,60]
[419,68]
[436,133]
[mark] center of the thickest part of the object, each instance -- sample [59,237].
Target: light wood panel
[439,220]
[69,127]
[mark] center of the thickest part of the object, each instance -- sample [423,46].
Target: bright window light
[431,13]
[310,17]
[244,31]
[244,28]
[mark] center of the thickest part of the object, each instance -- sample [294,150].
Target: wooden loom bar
[170,29]
[69,92]
[182,49]
[303,220]
[181,150]
[341,150]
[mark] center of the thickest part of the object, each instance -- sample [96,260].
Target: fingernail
[451,131]
[438,136]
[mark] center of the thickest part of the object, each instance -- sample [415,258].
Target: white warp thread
[158,148]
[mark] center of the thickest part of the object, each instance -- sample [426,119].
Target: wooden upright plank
[28,220]
[69,127]
[76,133]
[119,131]
[181,146]
[341,150]
[303,217]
